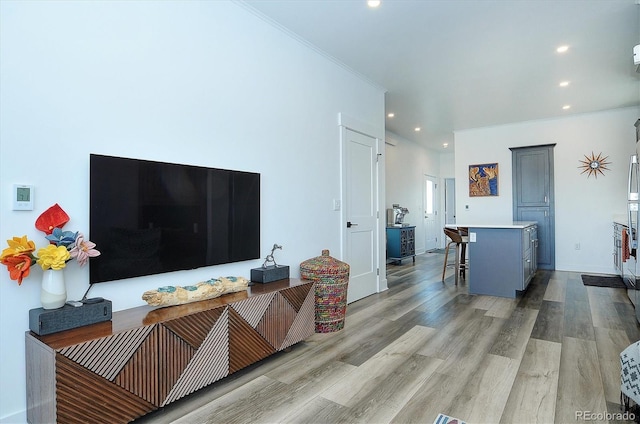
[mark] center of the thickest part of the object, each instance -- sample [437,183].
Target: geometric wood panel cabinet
[146,358]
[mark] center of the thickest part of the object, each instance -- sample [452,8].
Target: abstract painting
[483,180]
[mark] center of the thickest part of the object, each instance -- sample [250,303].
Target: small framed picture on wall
[483,180]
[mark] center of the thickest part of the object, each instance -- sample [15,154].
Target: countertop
[514,224]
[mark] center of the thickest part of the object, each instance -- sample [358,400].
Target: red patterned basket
[332,279]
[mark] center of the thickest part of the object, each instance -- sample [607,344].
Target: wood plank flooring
[426,347]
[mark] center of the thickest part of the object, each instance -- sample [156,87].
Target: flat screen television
[151,217]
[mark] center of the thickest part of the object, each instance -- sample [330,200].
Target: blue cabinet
[401,243]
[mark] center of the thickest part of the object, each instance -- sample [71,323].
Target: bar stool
[460,241]
[464,232]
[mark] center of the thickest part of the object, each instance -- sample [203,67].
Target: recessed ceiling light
[373,3]
[445,145]
[390,115]
[562,49]
[564,84]
[565,107]
[416,129]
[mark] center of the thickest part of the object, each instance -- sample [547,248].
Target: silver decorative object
[270,271]
[270,258]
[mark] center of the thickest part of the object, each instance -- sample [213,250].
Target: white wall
[407,163]
[204,83]
[584,207]
[447,165]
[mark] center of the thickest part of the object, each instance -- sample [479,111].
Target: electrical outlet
[577,246]
[472,237]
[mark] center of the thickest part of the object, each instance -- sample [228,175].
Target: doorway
[449,201]
[431,224]
[361,221]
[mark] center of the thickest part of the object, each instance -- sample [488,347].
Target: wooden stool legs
[457,261]
[461,251]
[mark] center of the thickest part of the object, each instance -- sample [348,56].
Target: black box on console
[269,274]
[46,321]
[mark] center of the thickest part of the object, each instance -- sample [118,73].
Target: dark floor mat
[603,281]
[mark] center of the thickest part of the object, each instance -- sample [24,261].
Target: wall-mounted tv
[151,217]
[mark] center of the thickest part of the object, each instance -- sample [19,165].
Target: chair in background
[460,242]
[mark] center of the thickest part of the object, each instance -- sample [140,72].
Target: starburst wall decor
[593,164]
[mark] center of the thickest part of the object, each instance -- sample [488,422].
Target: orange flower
[18,266]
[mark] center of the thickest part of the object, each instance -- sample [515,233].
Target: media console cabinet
[147,357]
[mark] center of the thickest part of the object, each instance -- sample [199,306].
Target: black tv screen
[151,217]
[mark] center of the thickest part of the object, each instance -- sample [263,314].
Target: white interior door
[431,226]
[360,200]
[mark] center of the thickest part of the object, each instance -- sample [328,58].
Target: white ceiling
[450,65]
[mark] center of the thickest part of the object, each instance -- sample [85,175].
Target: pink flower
[83,250]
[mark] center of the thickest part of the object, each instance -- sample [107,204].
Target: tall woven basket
[332,279]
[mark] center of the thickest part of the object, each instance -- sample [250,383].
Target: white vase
[53,293]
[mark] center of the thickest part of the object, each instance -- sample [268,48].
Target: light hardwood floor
[425,347]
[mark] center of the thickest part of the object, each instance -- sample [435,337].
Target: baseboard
[582,269]
[383,285]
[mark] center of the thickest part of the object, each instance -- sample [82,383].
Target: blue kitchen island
[502,258]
